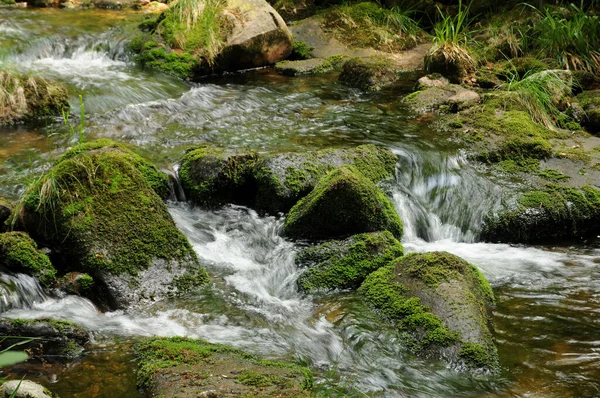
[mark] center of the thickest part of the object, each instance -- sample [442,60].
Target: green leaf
[12,357]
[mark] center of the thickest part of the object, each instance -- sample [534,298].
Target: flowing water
[547,324]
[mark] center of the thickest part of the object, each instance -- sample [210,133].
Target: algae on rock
[19,253]
[343,203]
[440,304]
[345,264]
[97,208]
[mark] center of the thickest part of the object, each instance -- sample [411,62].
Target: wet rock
[76,283]
[5,209]
[274,183]
[248,34]
[343,203]
[345,264]
[434,92]
[590,102]
[555,213]
[19,253]
[29,97]
[430,81]
[369,73]
[24,389]
[440,304]
[294,10]
[311,66]
[52,337]
[182,367]
[99,208]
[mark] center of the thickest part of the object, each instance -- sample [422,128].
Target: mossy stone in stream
[369,74]
[343,203]
[51,337]
[97,208]
[554,213]
[184,367]
[19,253]
[5,209]
[440,304]
[345,264]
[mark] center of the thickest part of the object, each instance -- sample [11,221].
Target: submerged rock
[24,98]
[311,66]
[273,183]
[19,253]
[555,213]
[182,367]
[51,337]
[99,208]
[24,389]
[225,36]
[345,264]
[440,303]
[343,203]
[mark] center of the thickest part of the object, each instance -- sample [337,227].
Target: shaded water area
[548,317]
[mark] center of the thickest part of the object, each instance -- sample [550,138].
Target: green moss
[61,326]
[553,175]
[476,356]
[371,74]
[300,50]
[344,202]
[382,291]
[256,379]
[526,165]
[18,252]
[344,265]
[100,226]
[85,283]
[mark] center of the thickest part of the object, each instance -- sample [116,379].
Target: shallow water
[548,316]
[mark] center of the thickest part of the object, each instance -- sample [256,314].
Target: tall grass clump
[570,36]
[12,97]
[367,24]
[539,94]
[195,26]
[451,38]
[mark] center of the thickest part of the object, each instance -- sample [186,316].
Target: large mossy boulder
[24,98]
[440,304]
[182,367]
[100,209]
[345,264]
[195,39]
[272,183]
[555,213]
[19,253]
[50,337]
[343,203]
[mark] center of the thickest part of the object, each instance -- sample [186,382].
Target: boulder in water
[345,264]
[24,389]
[441,305]
[369,73]
[51,337]
[19,253]
[343,203]
[183,367]
[434,92]
[24,98]
[99,208]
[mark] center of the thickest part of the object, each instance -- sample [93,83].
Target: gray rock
[311,66]
[25,389]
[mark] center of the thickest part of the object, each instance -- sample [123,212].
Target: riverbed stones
[19,253]
[24,389]
[99,210]
[182,367]
[440,304]
[345,264]
[51,337]
[551,214]
[24,98]
[343,203]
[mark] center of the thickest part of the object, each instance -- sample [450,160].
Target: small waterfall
[19,291]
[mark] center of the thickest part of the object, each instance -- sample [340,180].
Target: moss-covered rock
[19,253]
[224,36]
[590,102]
[77,283]
[97,208]
[435,92]
[6,208]
[24,98]
[345,264]
[183,367]
[294,10]
[440,304]
[51,337]
[313,66]
[273,183]
[369,73]
[213,176]
[343,203]
[555,213]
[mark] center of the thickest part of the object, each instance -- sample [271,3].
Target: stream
[546,324]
